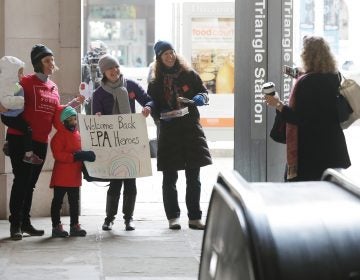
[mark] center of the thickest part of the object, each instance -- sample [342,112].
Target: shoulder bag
[278,131]
[350,90]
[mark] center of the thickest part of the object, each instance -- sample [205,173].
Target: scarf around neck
[171,90]
[292,137]
[120,94]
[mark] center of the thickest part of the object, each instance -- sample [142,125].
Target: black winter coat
[182,143]
[321,141]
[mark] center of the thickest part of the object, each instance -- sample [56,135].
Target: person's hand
[146,111]
[80,99]
[273,101]
[2,109]
[85,156]
[199,100]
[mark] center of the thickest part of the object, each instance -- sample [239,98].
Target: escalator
[282,231]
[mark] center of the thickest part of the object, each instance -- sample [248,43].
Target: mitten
[85,156]
[199,100]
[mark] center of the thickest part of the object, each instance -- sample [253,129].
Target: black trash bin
[282,231]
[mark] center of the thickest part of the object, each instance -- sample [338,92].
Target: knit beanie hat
[67,112]
[107,62]
[162,46]
[38,52]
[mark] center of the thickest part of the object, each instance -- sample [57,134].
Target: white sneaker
[196,224]
[174,223]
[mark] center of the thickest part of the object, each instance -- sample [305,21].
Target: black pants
[25,177]
[129,197]
[193,190]
[116,185]
[20,124]
[73,198]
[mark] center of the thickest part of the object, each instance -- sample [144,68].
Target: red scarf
[292,137]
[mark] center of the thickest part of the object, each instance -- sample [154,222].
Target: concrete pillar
[262,46]
[2,28]
[57,24]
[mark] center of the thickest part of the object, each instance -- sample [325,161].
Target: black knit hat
[38,52]
[162,46]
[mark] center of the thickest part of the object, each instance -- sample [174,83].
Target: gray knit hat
[107,62]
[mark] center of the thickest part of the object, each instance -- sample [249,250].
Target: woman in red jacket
[41,101]
[66,149]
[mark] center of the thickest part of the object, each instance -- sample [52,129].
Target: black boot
[129,225]
[30,230]
[112,204]
[108,223]
[128,210]
[15,231]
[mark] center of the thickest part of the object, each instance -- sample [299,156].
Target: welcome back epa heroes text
[102,134]
[93,124]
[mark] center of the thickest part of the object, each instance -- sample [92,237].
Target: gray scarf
[120,94]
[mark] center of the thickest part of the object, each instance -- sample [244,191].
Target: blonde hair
[316,55]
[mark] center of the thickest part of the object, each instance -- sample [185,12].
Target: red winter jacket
[41,101]
[66,171]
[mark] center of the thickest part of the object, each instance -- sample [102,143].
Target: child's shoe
[76,230]
[33,159]
[58,231]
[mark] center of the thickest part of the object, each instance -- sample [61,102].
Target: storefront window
[335,21]
[213,52]
[124,29]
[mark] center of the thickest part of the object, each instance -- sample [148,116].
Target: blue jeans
[193,190]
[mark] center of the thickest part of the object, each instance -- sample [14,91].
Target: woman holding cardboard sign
[117,95]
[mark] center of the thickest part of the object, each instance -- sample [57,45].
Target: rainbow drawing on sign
[124,166]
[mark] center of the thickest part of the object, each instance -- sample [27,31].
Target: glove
[199,100]
[85,156]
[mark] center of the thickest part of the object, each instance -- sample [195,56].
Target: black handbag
[278,131]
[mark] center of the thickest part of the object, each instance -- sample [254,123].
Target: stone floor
[150,252]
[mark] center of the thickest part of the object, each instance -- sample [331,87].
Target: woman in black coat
[176,91]
[315,140]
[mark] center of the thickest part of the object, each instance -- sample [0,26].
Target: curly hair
[316,56]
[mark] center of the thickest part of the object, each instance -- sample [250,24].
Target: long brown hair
[159,67]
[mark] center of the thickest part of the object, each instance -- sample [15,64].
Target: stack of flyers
[175,113]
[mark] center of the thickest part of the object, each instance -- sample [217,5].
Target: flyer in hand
[174,114]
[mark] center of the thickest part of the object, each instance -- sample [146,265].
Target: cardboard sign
[121,145]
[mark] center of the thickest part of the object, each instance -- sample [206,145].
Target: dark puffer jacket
[182,143]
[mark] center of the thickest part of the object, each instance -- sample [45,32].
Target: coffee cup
[268,88]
